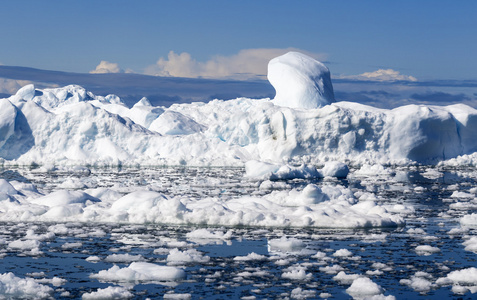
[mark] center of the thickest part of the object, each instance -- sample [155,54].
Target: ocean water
[385,255]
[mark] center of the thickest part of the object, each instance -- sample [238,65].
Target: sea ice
[140,272]
[285,244]
[15,287]
[297,273]
[363,286]
[177,257]
[111,292]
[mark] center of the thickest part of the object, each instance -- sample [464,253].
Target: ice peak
[300,81]
[143,102]
[26,93]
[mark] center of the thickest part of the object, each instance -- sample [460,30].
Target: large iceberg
[300,81]
[70,125]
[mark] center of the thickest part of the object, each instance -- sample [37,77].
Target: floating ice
[177,257]
[297,273]
[251,256]
[204,234]
[140,272]
[364,287]
[299,293]
[469,220]
[111,292]
[426,250]
[420,282]
[344,278]
[462,281]
[13,287]
[328,206]
[285,244]
[342,253]
[121,258]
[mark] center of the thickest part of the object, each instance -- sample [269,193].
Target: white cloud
[247,64]
[106,67]
[380,75]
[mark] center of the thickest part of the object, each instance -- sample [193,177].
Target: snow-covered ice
[300,81]
[140,272]
[13,287]
[70,125]
[313,206]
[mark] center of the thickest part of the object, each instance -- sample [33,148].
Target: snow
[327,206]
[363,286]
[111,292]
[302,125]
[205,234]
[285,244]
[426,250]
[188,256]
[250,257]
[420,282]
[120,258]
[297,273]
[469,220]
[13,287]
[462,280]
[140,272]
[300,81]
[342,253]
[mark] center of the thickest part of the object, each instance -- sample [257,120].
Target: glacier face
[70,125]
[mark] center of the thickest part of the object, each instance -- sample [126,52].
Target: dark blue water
[221,278]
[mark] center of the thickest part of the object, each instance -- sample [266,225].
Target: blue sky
[425,39]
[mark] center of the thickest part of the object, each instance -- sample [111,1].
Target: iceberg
[301,125]
[300,81]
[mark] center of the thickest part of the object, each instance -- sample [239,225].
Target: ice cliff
[303,124]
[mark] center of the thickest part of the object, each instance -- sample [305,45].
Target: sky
[428,40]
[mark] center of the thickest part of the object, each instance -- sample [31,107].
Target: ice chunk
[469,220]
[300,81]
[205,234]
[335,169]
[13,287]
[188,256]
[139,200]
[290,172]
[285,244]
[122,258]
[111,292]
[297,273]
[64,197]
[140,271]
[363,286]
[426,250]
[342,253]
[258,169]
